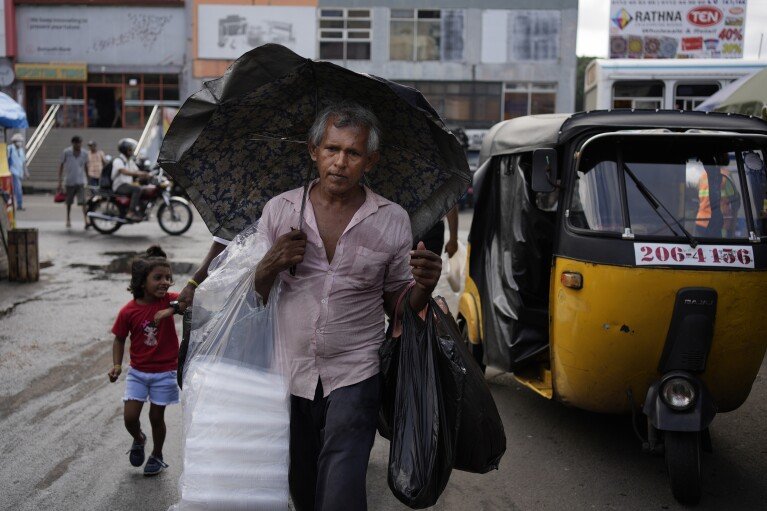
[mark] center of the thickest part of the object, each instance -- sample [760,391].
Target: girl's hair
[142,266]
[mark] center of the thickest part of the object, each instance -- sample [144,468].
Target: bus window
[643,94]
[689,95]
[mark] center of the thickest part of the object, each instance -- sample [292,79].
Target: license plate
[672,254]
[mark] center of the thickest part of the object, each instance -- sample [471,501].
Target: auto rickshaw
[617,262]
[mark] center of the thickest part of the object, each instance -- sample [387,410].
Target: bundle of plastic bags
[422,418]
[235,400]
[437,409]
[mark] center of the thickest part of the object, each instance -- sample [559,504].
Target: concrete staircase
[43,172]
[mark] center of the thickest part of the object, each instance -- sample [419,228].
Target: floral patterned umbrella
[241,140]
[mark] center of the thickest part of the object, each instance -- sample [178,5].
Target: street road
[63,443]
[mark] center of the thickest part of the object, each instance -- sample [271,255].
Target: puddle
[121,263]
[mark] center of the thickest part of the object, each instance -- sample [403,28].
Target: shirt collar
[372,203]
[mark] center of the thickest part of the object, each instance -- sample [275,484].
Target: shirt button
[324,300]
[330,272]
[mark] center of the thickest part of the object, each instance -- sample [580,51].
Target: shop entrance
[104,107]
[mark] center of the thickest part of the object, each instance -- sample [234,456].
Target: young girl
[148,318]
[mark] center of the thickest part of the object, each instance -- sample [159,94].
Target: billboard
[681,29]
[101,35]
[228,31]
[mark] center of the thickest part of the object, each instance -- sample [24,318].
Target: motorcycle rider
[124,170]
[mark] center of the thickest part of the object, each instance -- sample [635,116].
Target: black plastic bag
[423,386]
[481,437]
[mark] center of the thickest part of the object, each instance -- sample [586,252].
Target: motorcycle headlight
[678,393]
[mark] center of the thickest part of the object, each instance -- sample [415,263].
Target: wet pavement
[63,442]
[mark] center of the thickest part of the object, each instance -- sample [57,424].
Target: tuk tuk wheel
[477,350]
[683,463]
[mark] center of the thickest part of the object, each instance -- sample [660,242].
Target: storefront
[107,66]
[116,100]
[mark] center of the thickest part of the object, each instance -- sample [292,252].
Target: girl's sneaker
[154,466]
[137,452]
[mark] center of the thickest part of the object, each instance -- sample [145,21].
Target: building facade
[477,62]
[106,62]
[109,62]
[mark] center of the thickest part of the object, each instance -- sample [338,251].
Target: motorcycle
[107,210]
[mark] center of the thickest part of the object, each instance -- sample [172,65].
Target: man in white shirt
[124,169]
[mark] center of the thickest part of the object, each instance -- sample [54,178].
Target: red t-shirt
[153,348]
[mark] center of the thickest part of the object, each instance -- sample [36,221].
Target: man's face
[76,146]
[342,158]
[92,147]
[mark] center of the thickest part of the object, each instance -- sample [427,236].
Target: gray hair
[344,115]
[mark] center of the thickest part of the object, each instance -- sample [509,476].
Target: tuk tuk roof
[531,132]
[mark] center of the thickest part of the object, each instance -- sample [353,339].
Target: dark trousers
[135,195]
[330,442]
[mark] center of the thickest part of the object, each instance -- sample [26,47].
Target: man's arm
[286,251]
[186,296]
[61,172]
[426,267]
[451,247]
[133,173]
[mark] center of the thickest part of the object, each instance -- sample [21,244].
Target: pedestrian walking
[96,162]
[72,175]
[148,319]
[17,162]
[353,260]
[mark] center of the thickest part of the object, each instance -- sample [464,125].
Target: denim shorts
[159,388]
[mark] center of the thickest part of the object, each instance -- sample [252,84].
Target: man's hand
[165,313]
[451,247]
[427,267]
[287,250]
[186,297]
[114,373]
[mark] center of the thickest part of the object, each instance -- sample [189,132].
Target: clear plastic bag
[236,416]
[454,268]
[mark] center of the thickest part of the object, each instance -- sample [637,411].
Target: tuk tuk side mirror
[544,170]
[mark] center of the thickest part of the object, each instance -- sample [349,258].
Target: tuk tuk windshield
[704,184]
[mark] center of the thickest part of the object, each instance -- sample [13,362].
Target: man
[17,162]
[716,218]
[353,260]
[73,163]
[96,162]
[124,170]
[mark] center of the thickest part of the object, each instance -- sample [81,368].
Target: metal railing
[43,129]
[150,123]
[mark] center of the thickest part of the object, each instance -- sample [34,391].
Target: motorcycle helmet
[125,144]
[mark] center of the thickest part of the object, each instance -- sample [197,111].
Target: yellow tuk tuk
[617,263]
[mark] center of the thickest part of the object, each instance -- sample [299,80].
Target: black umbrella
[241,140]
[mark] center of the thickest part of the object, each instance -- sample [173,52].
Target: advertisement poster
[145,36]
[520,35]
[681,29]
[228,31]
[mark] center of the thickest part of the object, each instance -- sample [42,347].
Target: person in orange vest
[716,218]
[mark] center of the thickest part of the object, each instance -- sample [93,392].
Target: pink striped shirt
[331,314]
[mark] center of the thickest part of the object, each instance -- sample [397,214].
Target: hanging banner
[681,29]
